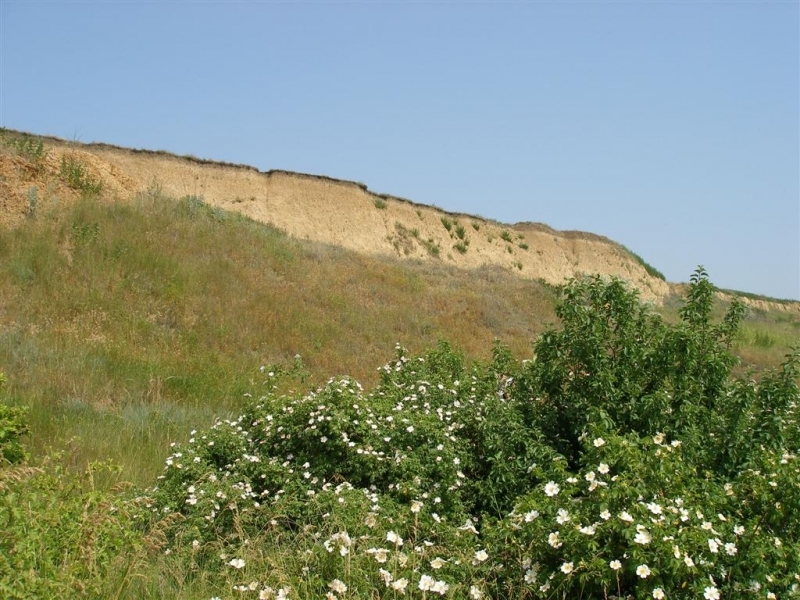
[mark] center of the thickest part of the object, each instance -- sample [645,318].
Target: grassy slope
[125,325]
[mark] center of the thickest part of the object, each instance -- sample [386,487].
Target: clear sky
[671,127]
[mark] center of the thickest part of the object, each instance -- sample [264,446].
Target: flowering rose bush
[623,460]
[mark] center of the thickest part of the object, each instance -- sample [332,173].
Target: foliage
[448,224]
[76,175]
[380,203]
[651,270]
[622,461]
[12,427]
[28,147]
[506,236]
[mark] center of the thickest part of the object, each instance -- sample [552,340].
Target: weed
[76,175]
[460,232]
[462,246]
[523,246]
[476,226]
[432,247]
[506,236]
[380,204]
[33,201]
[448,224]
[27,147]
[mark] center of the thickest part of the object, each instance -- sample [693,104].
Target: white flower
[480,556]
[688,561]
[563,516]
[386,576]
[643,571]
[338,586]
[440,587]
[416,506]
[426,583]
[437,563]
[605,515]
[380,554]
[711,593]
[551,489]
[236,563]
[738,530]
[394,538]
[400,585]
[475,593]
[615,565]
[730,549]
[589,476]
[654,508]
[567,568]
[531,515]
[658,438]
[553,540]
[599,442]
[642,537]
[603,468]
[713,546]
[659,594]
[587,530]
[626,516]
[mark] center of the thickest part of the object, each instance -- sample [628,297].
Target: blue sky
[669,127]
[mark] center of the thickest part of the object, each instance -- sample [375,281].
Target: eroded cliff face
[326,210]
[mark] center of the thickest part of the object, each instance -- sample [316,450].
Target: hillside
[323,209]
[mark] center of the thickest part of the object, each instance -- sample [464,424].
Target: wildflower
[551,489]
[603,468]
[626,516]
[416,506]
[380,554]
[730,549]
[687,560]
[437,563]
[475,593]
[338,586]
[530,576]
[642,537]
[426,583]
[658,438]
[440,587]
[236,563]
[599,442]
[553,540]
[587,530]
[531,515]
[605,515]
[615,565]
[654,508]
[643,571]
[394,538]
[738,530]
[713,546]
[567,568]
[386,576]
[659,594]
[563,516]
[480,556]
[711,593]
[589,476]
[400,585]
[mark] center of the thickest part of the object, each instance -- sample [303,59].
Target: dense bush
[621,460]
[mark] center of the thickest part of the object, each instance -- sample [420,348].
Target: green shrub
[462,247]
[460,232]
[506,236]
[77,176]
[26,146]
[380,204]
[622,460]
[448,224]
[13,426]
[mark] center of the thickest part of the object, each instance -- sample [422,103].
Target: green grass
[128,324]
[651,270]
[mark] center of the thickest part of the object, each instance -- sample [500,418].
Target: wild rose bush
[623,460]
